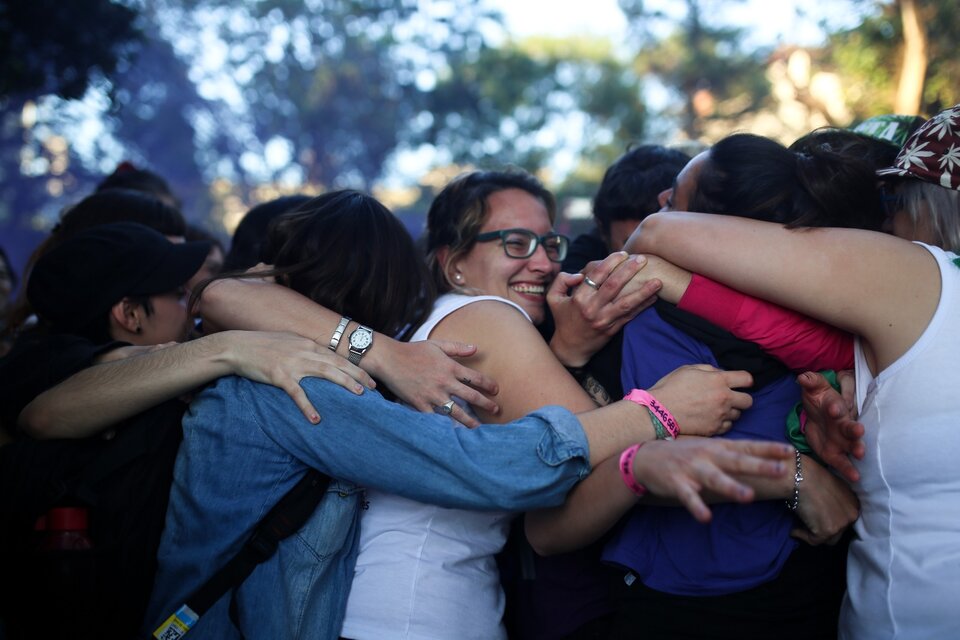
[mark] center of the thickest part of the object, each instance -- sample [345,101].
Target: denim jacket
[246,444]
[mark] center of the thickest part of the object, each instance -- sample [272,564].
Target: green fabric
[794,435]
[894,129]
[658,427]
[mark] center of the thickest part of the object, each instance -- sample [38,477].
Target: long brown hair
[347,252]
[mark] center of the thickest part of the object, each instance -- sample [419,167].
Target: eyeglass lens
[522,244]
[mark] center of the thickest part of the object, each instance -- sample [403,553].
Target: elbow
[644,239]
[37,421]
[539,537]
[210,299]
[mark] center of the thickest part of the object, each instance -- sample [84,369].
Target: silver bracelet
[797,479]
[338,333]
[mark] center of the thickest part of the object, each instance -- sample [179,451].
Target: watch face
[361,339]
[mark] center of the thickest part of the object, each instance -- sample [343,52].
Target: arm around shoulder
[872,284]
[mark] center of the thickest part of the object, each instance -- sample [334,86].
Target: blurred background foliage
[237,103]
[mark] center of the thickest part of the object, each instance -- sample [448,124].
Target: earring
[458,278]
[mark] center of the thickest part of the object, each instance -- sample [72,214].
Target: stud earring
[458,277]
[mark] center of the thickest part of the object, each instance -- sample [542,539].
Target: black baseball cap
[82,278]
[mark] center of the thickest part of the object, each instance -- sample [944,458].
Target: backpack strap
[282,521]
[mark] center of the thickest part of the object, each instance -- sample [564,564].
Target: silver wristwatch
[360,342]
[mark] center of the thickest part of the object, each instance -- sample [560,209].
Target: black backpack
[123,485]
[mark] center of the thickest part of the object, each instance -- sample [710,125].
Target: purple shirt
[744,545]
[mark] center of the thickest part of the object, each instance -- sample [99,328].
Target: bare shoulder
[481,319]
[512,351]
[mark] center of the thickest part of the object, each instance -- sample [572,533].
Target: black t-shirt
[121,482]
[39,361]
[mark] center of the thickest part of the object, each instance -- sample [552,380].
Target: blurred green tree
[527,101]
[223,97]
[704,64]
[901,58]
[48,46]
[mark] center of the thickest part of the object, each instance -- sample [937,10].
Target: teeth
[537,289]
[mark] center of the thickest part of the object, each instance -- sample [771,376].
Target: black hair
[878,153]
[752,176]
[195,232]
[127,176]
[120,205]
[459,210]
[251,233]
[631,185]
[347,252]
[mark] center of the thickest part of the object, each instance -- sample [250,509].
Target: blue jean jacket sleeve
[529,463]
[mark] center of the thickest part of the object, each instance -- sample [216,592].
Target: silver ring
[590,283]
[447,408]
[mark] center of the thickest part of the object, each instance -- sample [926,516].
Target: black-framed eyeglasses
[521,243]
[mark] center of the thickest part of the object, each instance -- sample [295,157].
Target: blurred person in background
[251,233]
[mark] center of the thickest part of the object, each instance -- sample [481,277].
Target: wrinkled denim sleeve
[526,464]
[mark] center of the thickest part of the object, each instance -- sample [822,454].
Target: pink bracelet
[663,415]
[626,470]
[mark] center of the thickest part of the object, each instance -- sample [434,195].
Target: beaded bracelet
[667,420]
[797,479]
[626,470]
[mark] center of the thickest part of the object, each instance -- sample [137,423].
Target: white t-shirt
[424,571]
[903,570]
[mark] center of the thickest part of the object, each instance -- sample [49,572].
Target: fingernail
[315,419]
[640,259]
[358,389]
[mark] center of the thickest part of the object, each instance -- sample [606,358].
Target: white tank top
[425,571]
[903,570]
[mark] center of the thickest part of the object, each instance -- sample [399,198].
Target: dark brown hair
[347,252]
[755,177]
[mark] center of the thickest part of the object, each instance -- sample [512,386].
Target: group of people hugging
[724,413]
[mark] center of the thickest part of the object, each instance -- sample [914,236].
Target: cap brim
[177,266]
[892,171]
